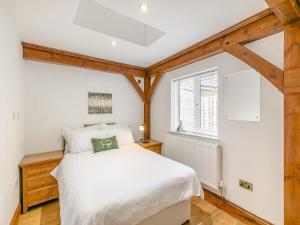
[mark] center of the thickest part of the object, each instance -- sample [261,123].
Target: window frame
[175,92]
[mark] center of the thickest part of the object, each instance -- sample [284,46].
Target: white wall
[252,151]
[11,115]
[56,97]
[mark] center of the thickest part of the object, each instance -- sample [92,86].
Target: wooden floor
[203,213]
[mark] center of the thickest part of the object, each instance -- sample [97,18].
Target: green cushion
[104,144]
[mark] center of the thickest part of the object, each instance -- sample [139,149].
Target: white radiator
[203,156]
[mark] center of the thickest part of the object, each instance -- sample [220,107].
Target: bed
[125,186]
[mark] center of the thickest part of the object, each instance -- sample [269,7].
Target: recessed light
[114,43]
[144,7]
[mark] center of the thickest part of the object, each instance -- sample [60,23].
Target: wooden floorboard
[203,213]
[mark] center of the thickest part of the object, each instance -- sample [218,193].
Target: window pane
[208,105]
[196,104]
[187,104]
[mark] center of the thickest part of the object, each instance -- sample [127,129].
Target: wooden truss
[283,15]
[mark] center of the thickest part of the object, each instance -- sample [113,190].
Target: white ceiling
[51,23]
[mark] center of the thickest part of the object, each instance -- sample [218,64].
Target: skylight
[96,17]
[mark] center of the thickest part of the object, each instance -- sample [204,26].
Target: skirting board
[234,210]
[17,213]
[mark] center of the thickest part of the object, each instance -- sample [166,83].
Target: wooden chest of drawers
[37,184]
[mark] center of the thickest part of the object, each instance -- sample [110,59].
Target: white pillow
[123,134]
[66,131]
[82,141]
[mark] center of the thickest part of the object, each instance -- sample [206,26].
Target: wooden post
[292,124]
[147,107]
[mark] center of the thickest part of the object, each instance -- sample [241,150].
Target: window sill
[198,136]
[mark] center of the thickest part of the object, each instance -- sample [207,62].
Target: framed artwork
[99,103]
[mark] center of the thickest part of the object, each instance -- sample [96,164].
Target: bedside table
[37,185]
[152,145]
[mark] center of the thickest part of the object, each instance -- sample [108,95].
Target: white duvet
[120,187]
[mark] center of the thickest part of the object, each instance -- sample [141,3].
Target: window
[195,103]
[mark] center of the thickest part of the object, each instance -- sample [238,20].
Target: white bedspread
[120,187]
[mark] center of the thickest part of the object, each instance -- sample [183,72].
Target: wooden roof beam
[287,11]
[268,70]
[137,87]
[212,48]
[153,86]
[254,28]
[56,56]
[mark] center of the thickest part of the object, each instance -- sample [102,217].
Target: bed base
[177,214]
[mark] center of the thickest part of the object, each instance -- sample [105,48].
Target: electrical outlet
[246,185]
